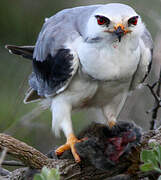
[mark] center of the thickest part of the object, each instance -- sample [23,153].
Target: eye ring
[102,20]
[133,21]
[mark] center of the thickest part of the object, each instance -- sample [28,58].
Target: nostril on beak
[119,32]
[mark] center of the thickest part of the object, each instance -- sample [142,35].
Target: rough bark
[27,154]
[72,171]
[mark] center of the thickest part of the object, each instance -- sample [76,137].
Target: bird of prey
[87,57]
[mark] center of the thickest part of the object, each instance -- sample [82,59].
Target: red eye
[102,20]
[133,20]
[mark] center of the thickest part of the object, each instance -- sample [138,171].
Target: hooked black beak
[119,31]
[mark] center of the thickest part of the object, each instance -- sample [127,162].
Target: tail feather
[24,51]
[32,96]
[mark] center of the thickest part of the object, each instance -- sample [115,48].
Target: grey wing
[54,64]
[144,66]
[54,60]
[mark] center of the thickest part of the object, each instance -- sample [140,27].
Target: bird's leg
[111,123]
[111,120]
[71,141]
[61,119]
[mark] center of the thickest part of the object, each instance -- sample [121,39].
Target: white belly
[85,92]
[108,91]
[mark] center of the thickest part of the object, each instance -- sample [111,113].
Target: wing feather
[144,66]
[54,65]
[53,75]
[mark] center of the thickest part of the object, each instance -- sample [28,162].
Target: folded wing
[144,66]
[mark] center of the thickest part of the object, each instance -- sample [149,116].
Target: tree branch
[70,170]
[27,154]
[13,163]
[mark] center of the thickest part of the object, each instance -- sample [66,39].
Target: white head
[114,21]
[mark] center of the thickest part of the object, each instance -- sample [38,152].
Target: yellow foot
[111,124]
[71,141]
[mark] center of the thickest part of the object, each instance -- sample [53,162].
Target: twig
[157,104]
[13,163]
[3,155]
[4,172]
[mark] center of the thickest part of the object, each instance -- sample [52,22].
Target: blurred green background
[20,23]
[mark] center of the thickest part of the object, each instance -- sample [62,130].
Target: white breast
[105,61]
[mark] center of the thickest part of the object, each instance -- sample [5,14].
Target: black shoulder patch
[52,73]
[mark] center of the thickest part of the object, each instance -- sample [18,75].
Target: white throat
[106,61]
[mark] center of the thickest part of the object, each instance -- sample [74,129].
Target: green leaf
[145,154]
[47,174]
[156,155]
[146,167]
[153,144]
[159,153]
[151,159]
[157,169]
[45,171]
[54,174]
[149,156]
[39,177]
